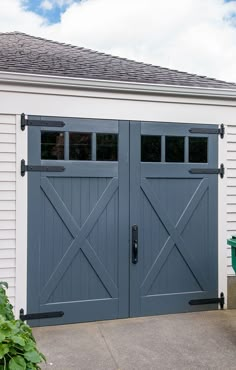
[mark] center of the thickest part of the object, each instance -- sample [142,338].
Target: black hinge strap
[202,130]
[40,315]
[29,168]
[38,123]
[211,171]
[220,301]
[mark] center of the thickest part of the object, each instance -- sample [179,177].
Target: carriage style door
[122,218]
[174,205]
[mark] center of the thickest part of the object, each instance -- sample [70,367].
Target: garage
[127,218]
[117,185]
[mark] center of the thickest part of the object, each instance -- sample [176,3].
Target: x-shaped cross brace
[174,235]
[80,238]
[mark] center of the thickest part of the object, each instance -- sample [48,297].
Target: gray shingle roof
[28,54]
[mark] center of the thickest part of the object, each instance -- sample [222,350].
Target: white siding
[8,202]
[231,189]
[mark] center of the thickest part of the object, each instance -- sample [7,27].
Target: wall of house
[74,103]
[231,189]
[231,209]
[8,202]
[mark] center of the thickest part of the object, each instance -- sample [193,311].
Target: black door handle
[134,244]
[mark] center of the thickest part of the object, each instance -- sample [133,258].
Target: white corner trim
[21,220]
[222,219]
[14,78]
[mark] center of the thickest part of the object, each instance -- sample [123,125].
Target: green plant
[5,306]
[18,349]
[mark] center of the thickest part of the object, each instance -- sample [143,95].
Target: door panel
[79,226]
[177,217]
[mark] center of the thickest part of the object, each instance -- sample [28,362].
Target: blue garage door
[119,224]
[174,205]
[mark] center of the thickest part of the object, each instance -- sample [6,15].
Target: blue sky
[52,15]
[49,9]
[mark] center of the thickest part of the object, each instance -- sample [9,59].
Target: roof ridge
[115,56]
[78,47]
[10,32]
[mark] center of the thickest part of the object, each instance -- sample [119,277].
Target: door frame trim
[21,218]
[222,219]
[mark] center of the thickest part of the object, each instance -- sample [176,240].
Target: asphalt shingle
[28,54]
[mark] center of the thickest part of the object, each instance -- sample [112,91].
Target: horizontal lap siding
[8,202]
[231,189]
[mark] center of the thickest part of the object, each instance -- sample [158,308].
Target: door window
[107,147]
[52,145]
[150,148]
[198,148]
[80,146]
[174,148]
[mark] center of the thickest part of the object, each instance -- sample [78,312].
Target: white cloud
[46,5]
[61,3]
[192,35]
[49,4]
[13,17]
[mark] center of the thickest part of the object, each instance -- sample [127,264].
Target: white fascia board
[14,78]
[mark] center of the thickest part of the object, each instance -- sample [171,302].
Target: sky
[196,36]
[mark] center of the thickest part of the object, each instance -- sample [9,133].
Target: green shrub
[18,349]
[5,306]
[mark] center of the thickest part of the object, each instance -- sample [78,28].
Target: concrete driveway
[205,340]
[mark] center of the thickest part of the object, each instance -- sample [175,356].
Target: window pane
[198,149]
[174,149]
[80,146]
[52,145]
[107,147]
[150,148]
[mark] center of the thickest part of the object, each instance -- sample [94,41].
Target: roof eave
[25,79]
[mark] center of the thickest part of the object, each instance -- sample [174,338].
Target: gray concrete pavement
[205,340]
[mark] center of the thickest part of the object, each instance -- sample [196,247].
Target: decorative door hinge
[37,168]
[220,301]
[222,131]
[38,123]
[202,130]
[211,171]
[40,315]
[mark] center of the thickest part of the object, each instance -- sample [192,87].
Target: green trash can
[232,242]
